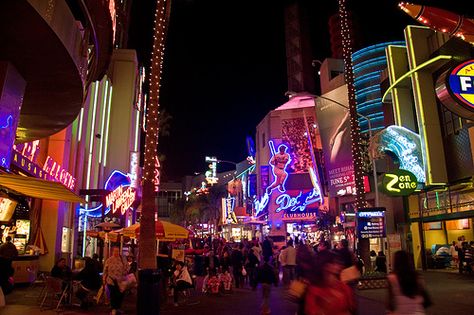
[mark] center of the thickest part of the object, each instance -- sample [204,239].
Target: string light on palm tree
[147,227]
[357,157]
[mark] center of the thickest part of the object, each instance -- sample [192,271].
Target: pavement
[452,293]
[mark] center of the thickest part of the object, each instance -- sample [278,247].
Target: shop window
[461,224]
[432,226]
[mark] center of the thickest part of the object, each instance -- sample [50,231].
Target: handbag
[296,290]
[244,272]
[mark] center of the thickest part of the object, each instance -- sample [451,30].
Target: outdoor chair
[40,281]
[56,291]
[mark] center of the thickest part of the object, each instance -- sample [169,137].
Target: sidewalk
[451,293]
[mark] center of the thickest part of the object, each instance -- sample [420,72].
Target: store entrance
[305,231]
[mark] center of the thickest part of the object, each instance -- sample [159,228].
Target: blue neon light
[298,203]
[115,180]
[373,49]
[367,90]
[366,78]
[370,61]
[406,146]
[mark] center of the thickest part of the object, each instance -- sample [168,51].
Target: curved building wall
[368,66]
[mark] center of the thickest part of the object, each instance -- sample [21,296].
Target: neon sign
[279,161]
[461,83]
[455,89]
[7,136]
[406,146]
[120,199]
[31,168]
[156,180]
[261,204]
[58,173]
[299,203]
[116,180]
[400,183]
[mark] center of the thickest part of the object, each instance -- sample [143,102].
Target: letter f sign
[466,83]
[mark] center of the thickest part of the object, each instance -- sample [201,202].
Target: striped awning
[38,188]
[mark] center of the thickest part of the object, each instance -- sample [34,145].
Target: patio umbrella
[107,225]
[165,231]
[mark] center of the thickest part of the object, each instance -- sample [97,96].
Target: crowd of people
[113,276]
[462,253]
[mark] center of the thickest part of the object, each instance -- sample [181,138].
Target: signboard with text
[399,183]
[455,89]
[371,223]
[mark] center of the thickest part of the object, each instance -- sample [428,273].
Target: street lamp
[370,136]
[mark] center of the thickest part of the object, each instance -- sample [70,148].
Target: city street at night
[236,157]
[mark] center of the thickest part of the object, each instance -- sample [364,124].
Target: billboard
[334,128]
[294,135]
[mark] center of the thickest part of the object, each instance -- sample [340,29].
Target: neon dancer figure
[279,161]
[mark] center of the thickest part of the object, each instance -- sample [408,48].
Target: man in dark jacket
[8,249]
[267,249]
[266,276]
[251,267]
[236,259]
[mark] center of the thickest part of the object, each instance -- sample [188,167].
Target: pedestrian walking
[381,262]
[236,259]
[407,294]
[114,270]
[326,294]
[251,266]
[267,248]
[182,280]
[266,276]
[288,263]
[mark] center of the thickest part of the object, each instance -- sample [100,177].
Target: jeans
[180,286]
[252,274]
[238,277]
[116,297]
[288,274]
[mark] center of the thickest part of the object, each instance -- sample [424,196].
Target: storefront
[31,207]
[439,218]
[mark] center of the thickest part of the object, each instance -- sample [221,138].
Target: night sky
[225,67]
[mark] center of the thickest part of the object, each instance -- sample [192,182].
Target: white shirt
[288,256]
[183,275]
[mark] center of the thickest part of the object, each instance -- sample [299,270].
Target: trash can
[148,299]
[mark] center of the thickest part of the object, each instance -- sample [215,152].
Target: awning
[165,231]
[38,188]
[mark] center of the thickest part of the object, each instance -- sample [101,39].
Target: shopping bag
[350,274]
[127,282]
[296,290]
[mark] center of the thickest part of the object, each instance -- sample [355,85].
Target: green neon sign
[399,183]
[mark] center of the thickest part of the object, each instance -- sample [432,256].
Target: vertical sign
[334,128]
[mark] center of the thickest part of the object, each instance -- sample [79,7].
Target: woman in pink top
[407,294]
[326,293]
